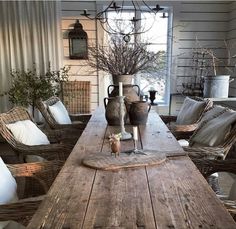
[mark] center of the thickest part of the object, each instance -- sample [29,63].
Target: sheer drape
[29,33]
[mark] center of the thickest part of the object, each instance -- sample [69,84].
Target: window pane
[156,34]
[120,21]
[157,37]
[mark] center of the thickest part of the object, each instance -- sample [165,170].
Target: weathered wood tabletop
[170,195]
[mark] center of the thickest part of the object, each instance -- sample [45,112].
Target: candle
[120,89]
[135,133]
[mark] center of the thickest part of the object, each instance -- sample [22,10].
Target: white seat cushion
[59,113]
[8,188]
[190,111]
[28,133]
[183,142]
[214,131]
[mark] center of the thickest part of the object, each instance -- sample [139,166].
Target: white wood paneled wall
[232,38]
[210,21]
[71,11]
[206,21]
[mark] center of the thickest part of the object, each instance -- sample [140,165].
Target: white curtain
[30,32]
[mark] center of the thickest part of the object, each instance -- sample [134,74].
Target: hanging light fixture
[126,20]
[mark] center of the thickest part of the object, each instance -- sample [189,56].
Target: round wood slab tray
[110,162]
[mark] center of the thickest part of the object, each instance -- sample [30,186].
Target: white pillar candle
[135,133]
[120,89]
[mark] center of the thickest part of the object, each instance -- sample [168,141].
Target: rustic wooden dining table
[172,194]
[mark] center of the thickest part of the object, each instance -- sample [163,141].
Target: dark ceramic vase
[138,112]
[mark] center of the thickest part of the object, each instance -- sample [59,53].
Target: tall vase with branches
[121,58]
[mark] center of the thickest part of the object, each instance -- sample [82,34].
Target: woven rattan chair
[78,121]
[185,130]
[59,148]
[219,152]
[39,177]
[207,167]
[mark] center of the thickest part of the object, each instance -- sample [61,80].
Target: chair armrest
[205,152]
[39,175]
[182,135]
[21,211]
[69,135]
[184,128]
[75,125]
[208,167]
[50,152]
[230,205]
[168,118]
[84,118]
[35,169]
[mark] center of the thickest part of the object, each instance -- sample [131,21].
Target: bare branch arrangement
[212,64]
[120,58]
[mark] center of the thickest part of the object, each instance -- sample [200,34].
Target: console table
[169,195]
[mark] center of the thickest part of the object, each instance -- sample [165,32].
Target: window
[157,34]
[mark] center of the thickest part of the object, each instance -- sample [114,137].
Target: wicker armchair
[59,149]
[219,152]
[78,121]
[185,131]
[207,167]
[39,176]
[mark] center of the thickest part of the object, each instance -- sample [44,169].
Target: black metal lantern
[78,42]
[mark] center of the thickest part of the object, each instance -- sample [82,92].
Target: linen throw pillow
[59,113]
[213,132]
[215,111]
[28,133]
[190,111]
[8,188]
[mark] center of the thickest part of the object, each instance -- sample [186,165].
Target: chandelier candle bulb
[120,89]
[135,133]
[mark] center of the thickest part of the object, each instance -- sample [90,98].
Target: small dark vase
[112,111]
[138,112]
[152,96]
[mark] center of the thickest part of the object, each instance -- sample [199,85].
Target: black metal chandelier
[126,20]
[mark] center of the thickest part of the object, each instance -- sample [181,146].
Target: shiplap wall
[206,21]
[211,22]
[79,69]
[232,38]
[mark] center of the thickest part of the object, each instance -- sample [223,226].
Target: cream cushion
[190,111]
[183,142]
[28,133]
[214,131]
[213,112]
[59,113]
[8,188]
[232,193]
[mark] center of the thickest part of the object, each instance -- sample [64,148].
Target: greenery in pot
[28,86]
[121,58]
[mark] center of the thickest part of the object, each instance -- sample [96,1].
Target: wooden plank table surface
[170,195]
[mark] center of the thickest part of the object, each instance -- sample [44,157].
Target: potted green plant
[30,85]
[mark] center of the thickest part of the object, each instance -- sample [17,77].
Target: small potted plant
[30,85]
[216,72]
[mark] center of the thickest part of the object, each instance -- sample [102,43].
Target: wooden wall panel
[79,69]
[206,21]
